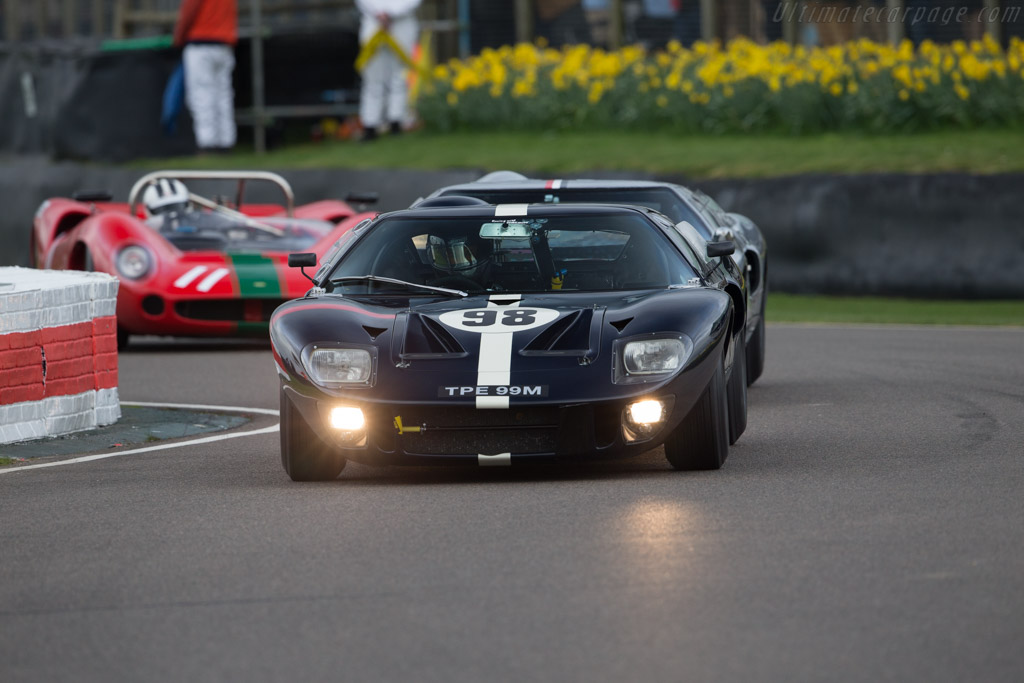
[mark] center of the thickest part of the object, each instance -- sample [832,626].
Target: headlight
[348,424]
[646,412]
[347,419]
[644,360]
[339,366]
[133,262]
[645,418]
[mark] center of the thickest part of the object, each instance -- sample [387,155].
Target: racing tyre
[737,391]
[755,351]
[304,456]
[701,441]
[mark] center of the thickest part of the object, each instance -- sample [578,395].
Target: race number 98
[494,320]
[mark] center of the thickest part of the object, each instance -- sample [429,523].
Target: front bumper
[435,433]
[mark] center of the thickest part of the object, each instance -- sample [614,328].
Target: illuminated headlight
[347,419]
[643,419]
[333,367]
[647,412]
[133,262]
[349,425]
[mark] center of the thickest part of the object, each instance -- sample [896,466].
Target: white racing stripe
[511,209]
[166,446]
[189,277]
[499,460]
[495,364]
[210,280]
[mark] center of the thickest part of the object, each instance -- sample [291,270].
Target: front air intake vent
[425,338]
[570,335]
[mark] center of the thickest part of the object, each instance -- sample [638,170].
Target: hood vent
[620,325]
[427,338]
[570,335]
[374,332]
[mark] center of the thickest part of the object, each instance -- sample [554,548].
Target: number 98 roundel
[498,320]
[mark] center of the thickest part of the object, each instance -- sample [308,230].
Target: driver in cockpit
[170,209]
[459,262]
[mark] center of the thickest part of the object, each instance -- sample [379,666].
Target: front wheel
[701,441]
[304,456]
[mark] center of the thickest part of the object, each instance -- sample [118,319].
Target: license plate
[526,390]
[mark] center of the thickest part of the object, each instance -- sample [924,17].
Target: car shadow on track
[647,464]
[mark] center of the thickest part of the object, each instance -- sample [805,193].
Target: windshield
[206,230]
[563,253]
[661,199]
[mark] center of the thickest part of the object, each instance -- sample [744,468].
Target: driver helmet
[454,257]
[165,195]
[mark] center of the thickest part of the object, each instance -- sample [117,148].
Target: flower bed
[743,86]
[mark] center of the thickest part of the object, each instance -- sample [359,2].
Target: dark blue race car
[493,335]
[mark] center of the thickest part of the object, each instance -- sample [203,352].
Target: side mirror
[92,196]
[362,197]
[303,260]
[306,260]
[720,249]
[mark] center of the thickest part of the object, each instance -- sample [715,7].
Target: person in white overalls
[385,94]
[207,30]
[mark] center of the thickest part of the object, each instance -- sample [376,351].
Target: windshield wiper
[378,278]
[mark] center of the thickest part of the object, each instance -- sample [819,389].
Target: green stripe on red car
[257,276]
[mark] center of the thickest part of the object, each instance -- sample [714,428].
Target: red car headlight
[134,262]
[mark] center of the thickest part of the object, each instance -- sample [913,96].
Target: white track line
[161,447]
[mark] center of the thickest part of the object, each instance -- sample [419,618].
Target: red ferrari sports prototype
[189,265]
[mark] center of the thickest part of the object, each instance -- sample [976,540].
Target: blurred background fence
[464,26]
[83,78]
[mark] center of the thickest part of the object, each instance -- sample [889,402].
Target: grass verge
[877,310]
[726,156]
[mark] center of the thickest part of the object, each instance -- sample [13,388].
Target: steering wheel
[458,282]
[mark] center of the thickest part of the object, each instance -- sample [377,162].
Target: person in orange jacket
[208,32]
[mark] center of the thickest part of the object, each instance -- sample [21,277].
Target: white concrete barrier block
[32,300]
[104,308]
[74,422]
[107,415]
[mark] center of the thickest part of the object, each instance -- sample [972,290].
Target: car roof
[541,184]
[533,211]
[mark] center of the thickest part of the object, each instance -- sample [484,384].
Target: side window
[339,247]
[697,244]
[712,209]
[688,241]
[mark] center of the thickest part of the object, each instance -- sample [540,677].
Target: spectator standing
[772,20]
[687,22]
[385,87]
[561,22]
[208,32]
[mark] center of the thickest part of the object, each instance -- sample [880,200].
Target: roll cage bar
[240,176]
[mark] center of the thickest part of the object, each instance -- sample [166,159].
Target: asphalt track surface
[869,526]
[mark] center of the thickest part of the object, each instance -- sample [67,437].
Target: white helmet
[165,195]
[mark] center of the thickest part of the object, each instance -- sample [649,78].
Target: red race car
[189,265]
